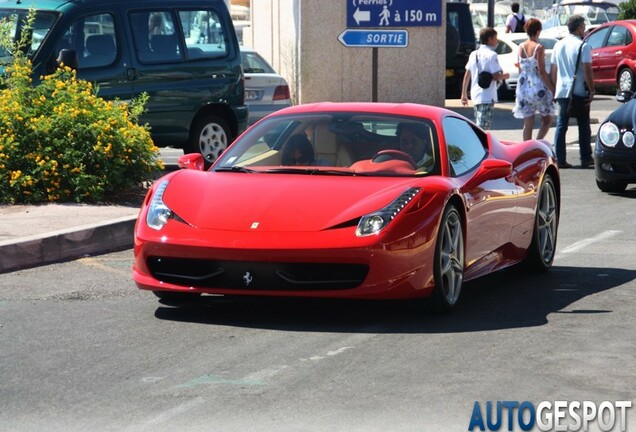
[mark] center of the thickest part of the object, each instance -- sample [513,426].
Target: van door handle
[131,74]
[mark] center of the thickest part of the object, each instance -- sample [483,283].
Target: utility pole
[491,13]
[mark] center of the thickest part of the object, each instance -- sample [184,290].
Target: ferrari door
[490,202]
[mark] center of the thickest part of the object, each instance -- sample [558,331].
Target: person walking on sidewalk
[534,88]
[484,59]
[571,71]
[515,22]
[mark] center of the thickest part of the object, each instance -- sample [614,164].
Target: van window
[205,35]
[94,40]
[13,22]
[155,37]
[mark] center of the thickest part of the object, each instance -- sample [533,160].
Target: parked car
[614,152]
[595,13]
[265,90]
[507,51]
[614,54]
[357,219]
[460,42]
[188,62]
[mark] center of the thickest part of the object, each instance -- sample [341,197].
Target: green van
[184,54]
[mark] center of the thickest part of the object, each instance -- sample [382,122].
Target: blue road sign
[374,38]
[393,13]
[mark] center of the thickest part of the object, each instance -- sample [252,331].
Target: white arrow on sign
[359,15]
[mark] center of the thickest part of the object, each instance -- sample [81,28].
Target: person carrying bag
[577,105]
[571,73]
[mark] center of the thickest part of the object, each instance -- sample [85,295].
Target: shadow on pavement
[504,300]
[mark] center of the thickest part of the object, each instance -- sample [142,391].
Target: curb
[67,244]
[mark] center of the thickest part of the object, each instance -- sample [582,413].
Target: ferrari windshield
[336,144]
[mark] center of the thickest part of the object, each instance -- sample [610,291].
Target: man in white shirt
[563,64]
[484,59]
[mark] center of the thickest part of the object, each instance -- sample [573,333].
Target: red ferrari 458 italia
[350,200]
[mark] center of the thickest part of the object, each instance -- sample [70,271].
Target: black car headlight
[375,222]
[158,212]
[609,134]
[628,139]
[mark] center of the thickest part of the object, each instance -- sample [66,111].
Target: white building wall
[300,39]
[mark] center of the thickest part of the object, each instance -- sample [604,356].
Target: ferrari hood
[277,202]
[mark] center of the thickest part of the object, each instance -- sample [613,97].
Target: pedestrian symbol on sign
[384,16]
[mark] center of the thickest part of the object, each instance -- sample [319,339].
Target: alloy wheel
[547,221]
[452,257]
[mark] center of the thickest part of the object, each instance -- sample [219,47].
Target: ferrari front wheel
[448,264]
[543,245]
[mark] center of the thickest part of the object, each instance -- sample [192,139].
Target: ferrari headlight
[158,212]
[375,222]
[628,139]
[609,134]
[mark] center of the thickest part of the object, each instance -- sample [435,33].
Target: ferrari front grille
[257,275]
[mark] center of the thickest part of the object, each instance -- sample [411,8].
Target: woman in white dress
[535,89]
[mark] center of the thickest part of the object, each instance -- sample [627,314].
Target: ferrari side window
[464,147]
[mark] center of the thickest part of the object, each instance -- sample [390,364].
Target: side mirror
[68,57]
[624,96]
[191,161]
[490,169]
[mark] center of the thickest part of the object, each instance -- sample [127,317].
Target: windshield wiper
[234,168]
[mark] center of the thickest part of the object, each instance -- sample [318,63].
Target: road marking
[214,379]
[575,247]
[168,415]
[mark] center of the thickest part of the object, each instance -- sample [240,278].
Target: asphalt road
[82,349]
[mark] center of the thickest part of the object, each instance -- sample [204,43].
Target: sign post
[383,15]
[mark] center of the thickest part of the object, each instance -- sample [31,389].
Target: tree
[628,10]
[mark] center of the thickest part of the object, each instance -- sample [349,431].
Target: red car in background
[323,200]
[614,55]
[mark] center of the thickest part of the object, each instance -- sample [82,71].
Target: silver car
[265,90]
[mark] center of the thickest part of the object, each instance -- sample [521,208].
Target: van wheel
[210,137]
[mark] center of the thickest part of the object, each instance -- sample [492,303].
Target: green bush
[60,142]
[628,10]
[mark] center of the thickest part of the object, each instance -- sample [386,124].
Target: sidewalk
[37,235]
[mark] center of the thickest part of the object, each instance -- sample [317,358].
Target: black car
[614,154]
[460,42]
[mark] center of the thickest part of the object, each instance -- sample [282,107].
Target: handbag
[484,79]
[578,106]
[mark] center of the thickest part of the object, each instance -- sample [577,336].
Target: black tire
[448,263]
[546,223]
[610,186]
[210,136]
[176,297]
[625,80]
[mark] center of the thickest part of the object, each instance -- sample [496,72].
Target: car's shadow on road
[504,300]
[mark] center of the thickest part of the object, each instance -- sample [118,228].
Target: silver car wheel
[547,221]
[451,257]
[626,80]
[212,141]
